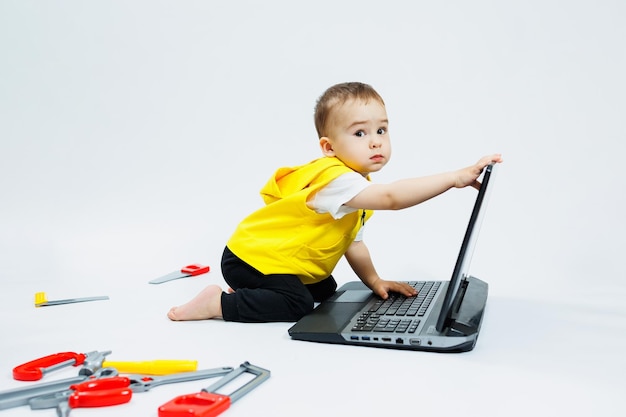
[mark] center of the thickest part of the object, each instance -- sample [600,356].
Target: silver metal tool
[41,300]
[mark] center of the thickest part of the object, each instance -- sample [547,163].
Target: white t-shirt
[332,197]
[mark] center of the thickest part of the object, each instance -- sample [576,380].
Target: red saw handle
[195,269]
[100,392]
[201,404]
[34,370]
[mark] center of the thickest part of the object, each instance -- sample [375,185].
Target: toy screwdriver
[35,369]
[155,367]
[97,360]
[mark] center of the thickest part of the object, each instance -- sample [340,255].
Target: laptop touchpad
[353,296]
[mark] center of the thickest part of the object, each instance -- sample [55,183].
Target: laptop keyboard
[398,314]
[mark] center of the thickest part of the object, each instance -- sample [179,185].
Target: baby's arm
[410,192]
[358,256]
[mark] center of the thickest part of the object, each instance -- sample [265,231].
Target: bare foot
[206,305]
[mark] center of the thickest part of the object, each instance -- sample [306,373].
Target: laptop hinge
[468,307]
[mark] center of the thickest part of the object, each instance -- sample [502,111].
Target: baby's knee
[303,307]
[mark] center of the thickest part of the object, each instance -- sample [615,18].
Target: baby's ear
[326,146]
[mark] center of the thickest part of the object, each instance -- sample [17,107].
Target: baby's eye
[359,133]
[382,131]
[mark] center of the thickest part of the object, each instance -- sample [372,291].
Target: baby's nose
[375,143]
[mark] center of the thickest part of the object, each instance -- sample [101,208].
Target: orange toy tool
[207,403]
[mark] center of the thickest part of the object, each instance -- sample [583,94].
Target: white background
[134,135]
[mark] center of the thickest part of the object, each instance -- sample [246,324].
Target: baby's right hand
[468,176]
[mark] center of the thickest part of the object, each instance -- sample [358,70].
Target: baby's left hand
[468,176]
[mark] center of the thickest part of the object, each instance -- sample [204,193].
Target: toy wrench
[140,383]
[23,396]
[207,403]
[188,271]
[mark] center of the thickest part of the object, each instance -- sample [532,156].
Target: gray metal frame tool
[208,402]
[260,376]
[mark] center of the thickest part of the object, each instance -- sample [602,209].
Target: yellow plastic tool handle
[156,367]
[40,298]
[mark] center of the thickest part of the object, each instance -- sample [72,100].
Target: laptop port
[399,341]
[415,342]
[386,339]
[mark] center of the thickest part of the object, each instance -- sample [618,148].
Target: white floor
[135,135]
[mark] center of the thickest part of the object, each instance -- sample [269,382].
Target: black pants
[265,298]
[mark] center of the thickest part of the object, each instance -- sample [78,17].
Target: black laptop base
[331,322]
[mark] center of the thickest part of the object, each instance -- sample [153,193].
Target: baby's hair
[337,95]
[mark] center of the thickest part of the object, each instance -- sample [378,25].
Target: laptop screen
[467,249]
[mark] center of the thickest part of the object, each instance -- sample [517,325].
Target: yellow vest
[287,237]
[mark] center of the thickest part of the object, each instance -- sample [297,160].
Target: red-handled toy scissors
[188,271]
[100,392]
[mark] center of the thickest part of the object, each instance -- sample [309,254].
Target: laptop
[445,316]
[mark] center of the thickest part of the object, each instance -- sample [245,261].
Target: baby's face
[358,135]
